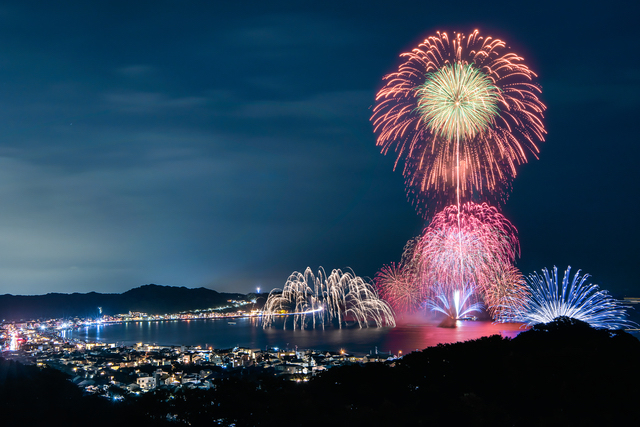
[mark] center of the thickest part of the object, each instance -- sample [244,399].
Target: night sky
[227,144]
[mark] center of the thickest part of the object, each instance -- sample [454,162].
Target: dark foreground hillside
[563,373]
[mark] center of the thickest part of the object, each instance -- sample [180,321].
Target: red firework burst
[461,110]
[466,247]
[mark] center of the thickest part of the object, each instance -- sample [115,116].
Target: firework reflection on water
[414,332]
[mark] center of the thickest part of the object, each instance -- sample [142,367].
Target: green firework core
[457,99]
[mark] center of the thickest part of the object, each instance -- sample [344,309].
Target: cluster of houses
[110,369]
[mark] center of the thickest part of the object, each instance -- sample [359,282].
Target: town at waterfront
[113,369]
[150,384]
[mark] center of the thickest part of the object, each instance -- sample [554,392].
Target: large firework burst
[466,246]
[457,100]
[463,112]
[321,300]
[573,298]
[466,252]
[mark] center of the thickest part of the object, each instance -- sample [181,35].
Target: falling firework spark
[317,301]
[574,299]
[463,112]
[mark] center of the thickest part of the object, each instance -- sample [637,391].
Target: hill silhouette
[151,299]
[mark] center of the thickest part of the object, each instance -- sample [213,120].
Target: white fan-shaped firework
[317,301]
[455,303]
[573,298]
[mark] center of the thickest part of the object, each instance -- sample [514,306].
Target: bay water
[249,333]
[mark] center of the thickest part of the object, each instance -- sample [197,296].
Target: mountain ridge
[150,298]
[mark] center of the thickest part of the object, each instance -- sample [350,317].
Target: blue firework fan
[574,298]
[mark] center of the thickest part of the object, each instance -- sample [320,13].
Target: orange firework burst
[461,111]
[506,293]
[399,286]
